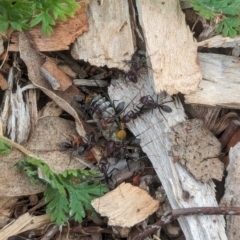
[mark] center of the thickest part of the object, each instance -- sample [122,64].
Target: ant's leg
[70,158]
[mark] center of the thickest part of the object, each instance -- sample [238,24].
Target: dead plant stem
[19,147]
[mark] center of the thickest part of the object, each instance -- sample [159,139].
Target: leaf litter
[191,150]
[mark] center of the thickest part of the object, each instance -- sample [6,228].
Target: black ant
[132,115]
[78,146]
[137,63]
[148,102]
[119,109]
[103,166]
[92,107]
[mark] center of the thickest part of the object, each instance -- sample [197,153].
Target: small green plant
[25,14]
[4,148]
[68,194]
[225,12]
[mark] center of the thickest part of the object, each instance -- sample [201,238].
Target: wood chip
[64,33]
[220,74]
[197,149]
[169,43]
[109,45]
[126,205]
[22,224]
[220,41]
[56,77]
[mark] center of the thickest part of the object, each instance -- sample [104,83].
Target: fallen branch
[186,212]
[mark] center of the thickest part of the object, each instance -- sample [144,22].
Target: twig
[185,212]
[19,147]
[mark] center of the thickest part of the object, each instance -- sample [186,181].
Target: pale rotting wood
[220,75]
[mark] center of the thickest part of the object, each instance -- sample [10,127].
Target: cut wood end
[126,205]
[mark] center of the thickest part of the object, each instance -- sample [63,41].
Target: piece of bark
[64,33]
[231,196]
[182,189]
[56,77]
[109,45]
[125,206]
[220,85]
[169,43]
[197,149]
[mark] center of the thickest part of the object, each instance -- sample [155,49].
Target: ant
[77,145]
[119,109]
[103,166]
[149,102]
[93,107]
[132,115]
[137,63]
[109,120]
[120,150]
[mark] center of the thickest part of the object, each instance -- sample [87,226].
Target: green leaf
[63,196]
[227,10]
[22,14]
[229,27]
[4,148]
[58,205]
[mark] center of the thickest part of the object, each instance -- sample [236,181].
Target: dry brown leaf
[126,205]
[198,150]
[6,204]
[50,109]
[234,139]
[34,61]
[45,144]
[3,83]
[64,33]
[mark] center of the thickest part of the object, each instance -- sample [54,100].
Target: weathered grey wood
[90,83]
[109,39]
[231,197]
[173,57]
[220,85]
[220,41]
[171,47]
[181,188]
